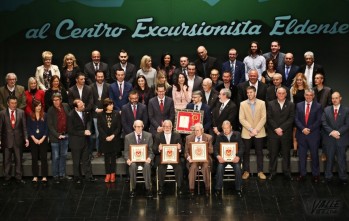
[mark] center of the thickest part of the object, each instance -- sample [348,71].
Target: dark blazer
[229,113]
[283,118]
[156,117]
[13,137]
[114,94]
[207,122]
[130,73]
[160,139]
[86,97]
[197,83]
[130,138]
[291,74]
[271,93]
[341,125]
[77,127]
[239,71]
[314,121]
[324,98]
[317,69]
[108,146]
[234,92]
[280,58]
[69,81]
[261,91]
[127,118]
[48,97]
[235,137]
[52,122]
[89,71]
[19,93]
[98,102]
[212,99]
[210,63]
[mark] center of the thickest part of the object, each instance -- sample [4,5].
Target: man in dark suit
[308,124]
[81,91]
[215,77]
[11,89]
[14,136]
[275,54]
[183,62]
[280,117]
[309,69]
[252,81]
[204,64]
[227,83]
[288,71]
[100,91]
[91,67]
[139,136]
[198,136]
[168,137]
[132,111]
[79,132]
[277,83]
[194,81]
[129,68]
[160,108]
[210,95]
[235,67]
[227,110]
[228,135]
[335,125]
[198,105]
[119,90]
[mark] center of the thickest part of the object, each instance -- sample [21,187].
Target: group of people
[265,100]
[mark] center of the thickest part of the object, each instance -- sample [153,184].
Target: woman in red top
[33,92]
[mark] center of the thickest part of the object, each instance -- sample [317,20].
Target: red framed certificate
[169,154]
[185,119]
[228,151]
[138,152]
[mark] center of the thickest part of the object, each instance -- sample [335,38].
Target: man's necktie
[138,139]
[307,112]
[221,108]
[134,111]
[196,107]
[232,69]
[335,114]
[96,66]
[161,106]
[120,90]
[198,139]
[13,120]
[286,72]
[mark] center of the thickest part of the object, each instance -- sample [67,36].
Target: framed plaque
[228,151]
[185,119]
[138,152]
[169,154]
[198,151]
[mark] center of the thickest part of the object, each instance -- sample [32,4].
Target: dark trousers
[258,144]
[37,149]
[17,151]
[110,162]
[177,168]
[81,154]
[340,153]
[275,144]
[313,146]
[220,173]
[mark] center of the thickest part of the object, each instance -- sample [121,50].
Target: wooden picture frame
[228,151]
[199,151]
[185,120]
[138,152]
[169,154]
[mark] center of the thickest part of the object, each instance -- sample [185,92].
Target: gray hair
[227,92]
[309,53]
[9,75]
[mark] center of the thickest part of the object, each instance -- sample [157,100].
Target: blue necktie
[286,72]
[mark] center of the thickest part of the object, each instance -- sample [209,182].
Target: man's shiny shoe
[91,179]
[327,180]
[239,193]
[77,180]
[132,194]
[288,177]
[207,193]
[149,194]
[179,191]
[300,178]
[191,193]
[65,178]
[316,179]
[161,191]
[218,193]
[343,182]
[20,181]
[6,182]
[272,176]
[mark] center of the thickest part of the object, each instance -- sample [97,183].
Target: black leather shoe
[161,191]
[288,177]
[300,178]
[327,180]
[239,193]
[6,183]
[192,194]
[20,181]
[56,180]
[280,155]
[132,194]
[65,178]
[272,176]
[207,193]
[77,180]
[91,179]
[149,194]
[316,179]
[179,191]
[218,193]
[343,182]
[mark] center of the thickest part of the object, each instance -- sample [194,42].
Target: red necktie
[307,111]
[335,114]
[161,106]
[134,111]
[13,120]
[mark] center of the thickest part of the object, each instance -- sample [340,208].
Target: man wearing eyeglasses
[11,89]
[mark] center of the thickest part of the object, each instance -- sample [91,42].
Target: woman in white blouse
[45,72]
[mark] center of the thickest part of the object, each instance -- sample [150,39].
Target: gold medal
[120,97]
[99,98]
[13,122]
[37,131]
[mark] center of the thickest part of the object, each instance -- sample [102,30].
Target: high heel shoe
[107,178]
[35,180]
[112,178]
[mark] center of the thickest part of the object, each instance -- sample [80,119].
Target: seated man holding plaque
[198,147]
[223,151]
[138,152]
[164,143]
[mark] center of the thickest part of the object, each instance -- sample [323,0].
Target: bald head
[202,52]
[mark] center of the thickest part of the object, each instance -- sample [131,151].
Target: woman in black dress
[109,127]
[55,87]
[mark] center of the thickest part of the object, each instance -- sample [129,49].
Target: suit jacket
[212,99]
[86,97]
[317,69]
[114,94]
[280,59]
[160,139]
[98,102]
[127,118]
[146,138]
[249,121]
[228,113]
[52,122]
[130,73]
[39,75]
[239,71]
[156,117]
[261,91]
[314,121]
[207,122]
[76,128]
[235,137]
[89,71]
[323,96]
[13,137]
[48,97]
[197,83]
[104,131]
[234,92]
[191,138]
[283,118]
[19,93]
[69,81]
[210,63]
[291,74]
[271,93]
[341,125]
